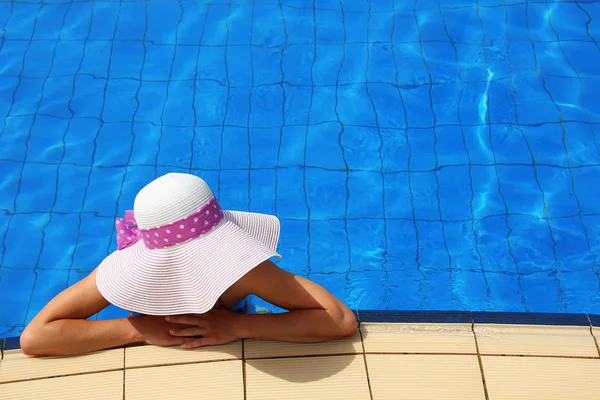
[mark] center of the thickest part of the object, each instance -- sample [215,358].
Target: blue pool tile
[384,96]
[454,18]
[437,55]
[355,107]
[135,179]
[356,27]
[234,190]
[323,147]
[365,194]
[293,145]
[239,28]
[382,65]
[60,237]
[185,63]
[546,142]
[544,292]
[127,59]
[78,21]
[236,147]
[85,102]
[443,99]
[532,243]
[360,294]
[398,199]
[592,227]
[581,285]
[207,147]
[520,190]
[48,283]
[157,61]
[297,104]
[368,244]
[551,60]
[471,290]
[402,244]
[474,92]
[239,70]
[487,200]
[450,146]
[293,245]
[14,49]
[291,201]
[50,21]
[129,25]
[559,197]
[45,139]
[461,239]
[56,97]
[215,34]
[179,107]
[595,319]
[530,318]
[381,23]
[334,30]
[96,59]
[103,190]
[406,26]
[266,65]
[297,63]
[422,142]
[7,85]
[39,60]
[174,145]
[571,102]
[354,68]
[424,188]
[432,247]
[437,289]
[12,343]
[144,142]
[68,57]
[79,140]
[264,147]
[5,12]
[506,292]
[327,66]
[418,106]
[328,246]
[501,105]
[462,317]
[431,25]
[492,234]
[510,145]
[263,100]
[113,144]
[125,103]
[395,152]
[573,246]
[363,147]
[37,187]
[152,96]
[455,193]
[72,180]
[537,108]
[324,188]
[580,143]
[210,103]
[20,25]
[27,96]
[324,105]
[14,283]
[9,188]
[162,20]
[104,20]
[586,183]
[238,106]
[262,191]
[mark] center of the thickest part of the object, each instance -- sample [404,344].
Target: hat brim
[190,277]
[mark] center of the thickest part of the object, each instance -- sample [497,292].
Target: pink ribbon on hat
[194,225]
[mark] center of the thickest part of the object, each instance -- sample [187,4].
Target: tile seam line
[593,336]
[244,385]
[364,355]
[480,362]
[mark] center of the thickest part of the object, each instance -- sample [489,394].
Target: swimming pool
[420,156]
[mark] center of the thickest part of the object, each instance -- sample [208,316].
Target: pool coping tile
[530,318]
[12,343]
[595,320]
[454,317]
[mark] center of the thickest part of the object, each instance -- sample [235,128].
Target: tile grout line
[593,336]
[2,349]
[124,369]
[364,354]
[244,368]
[485,390]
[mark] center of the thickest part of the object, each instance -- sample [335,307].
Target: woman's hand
[212,328]
[155,330]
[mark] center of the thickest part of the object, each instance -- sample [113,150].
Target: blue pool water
[420,154]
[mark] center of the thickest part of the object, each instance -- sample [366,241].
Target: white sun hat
[178,251]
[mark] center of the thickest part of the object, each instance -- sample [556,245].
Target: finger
[207,341]
[177,341]
[195,331]
[183,319]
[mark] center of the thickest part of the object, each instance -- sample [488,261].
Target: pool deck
[408,360]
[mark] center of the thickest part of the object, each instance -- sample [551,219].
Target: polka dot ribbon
[190,227]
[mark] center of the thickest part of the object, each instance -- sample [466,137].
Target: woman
[181,265]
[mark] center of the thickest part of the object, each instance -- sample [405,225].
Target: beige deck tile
[419,338]
[416,377]
[143,356]
[16,366]
[330,377]
[268,349]
[516,378]
[536,340]
[596,333]
[100,386]
[213,380]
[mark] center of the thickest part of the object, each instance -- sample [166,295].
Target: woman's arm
[314,314]
[61,327]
